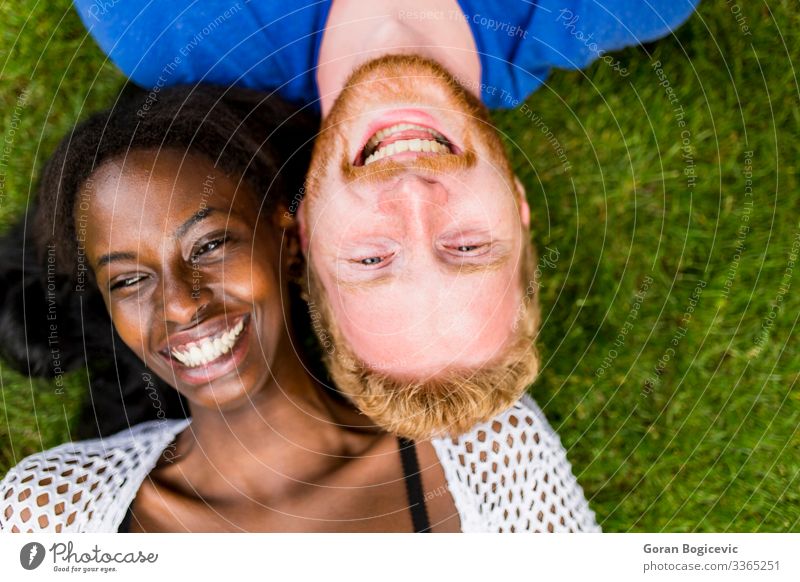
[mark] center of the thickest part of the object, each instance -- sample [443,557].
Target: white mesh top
[507,475]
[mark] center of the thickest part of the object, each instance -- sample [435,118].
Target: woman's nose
[185,297]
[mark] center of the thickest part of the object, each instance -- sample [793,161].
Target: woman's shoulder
[511,474]
[83,486]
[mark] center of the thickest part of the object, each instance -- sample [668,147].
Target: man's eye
[127,282]
[471,249]
[373,262]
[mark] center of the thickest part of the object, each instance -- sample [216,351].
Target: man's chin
[400,81]
[429,409]
[450,403]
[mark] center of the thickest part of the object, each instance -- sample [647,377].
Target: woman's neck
[357,32]
[289,431]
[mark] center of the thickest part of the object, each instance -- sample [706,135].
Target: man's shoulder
[260,45]
[82,486]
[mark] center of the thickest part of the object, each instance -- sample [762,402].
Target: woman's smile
[205,354]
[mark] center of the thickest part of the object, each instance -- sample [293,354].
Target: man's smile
[404,137]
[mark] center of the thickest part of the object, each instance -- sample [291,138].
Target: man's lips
[409,133]
[404,137]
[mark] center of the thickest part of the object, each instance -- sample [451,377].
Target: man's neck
[357,32]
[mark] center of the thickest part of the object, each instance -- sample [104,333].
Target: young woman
[176,210]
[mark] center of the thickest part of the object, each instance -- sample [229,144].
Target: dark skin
[180,254]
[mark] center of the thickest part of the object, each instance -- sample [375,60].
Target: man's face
[414,224]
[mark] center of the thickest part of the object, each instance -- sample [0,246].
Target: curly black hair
[259,137]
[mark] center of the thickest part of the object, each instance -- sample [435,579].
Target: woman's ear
[522,199]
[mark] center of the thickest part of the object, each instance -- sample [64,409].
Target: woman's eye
[467,248]
[371,261]
[127,282]
[208,247]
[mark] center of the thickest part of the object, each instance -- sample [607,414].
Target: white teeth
[434,145]
[413,145]
[209,349]
[384,133]
[196,354]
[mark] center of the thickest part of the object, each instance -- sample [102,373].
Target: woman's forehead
[153,184]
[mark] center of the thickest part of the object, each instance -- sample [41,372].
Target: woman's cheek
[129,325]
[252,280]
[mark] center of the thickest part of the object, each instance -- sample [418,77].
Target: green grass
[714,446]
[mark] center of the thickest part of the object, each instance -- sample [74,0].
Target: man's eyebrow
[480,267]
[455,268]
[198,216]
[366,283]
[106,259]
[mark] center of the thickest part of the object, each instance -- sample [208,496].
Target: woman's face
[189,272]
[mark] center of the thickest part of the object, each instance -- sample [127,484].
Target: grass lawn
[666,209]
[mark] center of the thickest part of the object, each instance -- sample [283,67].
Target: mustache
[385,170]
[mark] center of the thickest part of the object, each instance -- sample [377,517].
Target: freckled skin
[411,220]
[432,313]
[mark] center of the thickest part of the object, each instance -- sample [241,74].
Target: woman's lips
[220,366]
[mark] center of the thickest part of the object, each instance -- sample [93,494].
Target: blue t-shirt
[270,45]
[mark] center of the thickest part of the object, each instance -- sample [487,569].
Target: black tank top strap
[125,524]
[416,497]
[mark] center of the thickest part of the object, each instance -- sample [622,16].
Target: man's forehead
[414,341]
[462,301]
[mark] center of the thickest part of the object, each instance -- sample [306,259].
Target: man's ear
[301,224]
[524,209]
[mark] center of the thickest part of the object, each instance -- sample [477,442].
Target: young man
[413,223]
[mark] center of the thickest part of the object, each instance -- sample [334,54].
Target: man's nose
[413,197]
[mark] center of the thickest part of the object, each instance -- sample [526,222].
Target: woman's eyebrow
[198,216]
[106,259]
